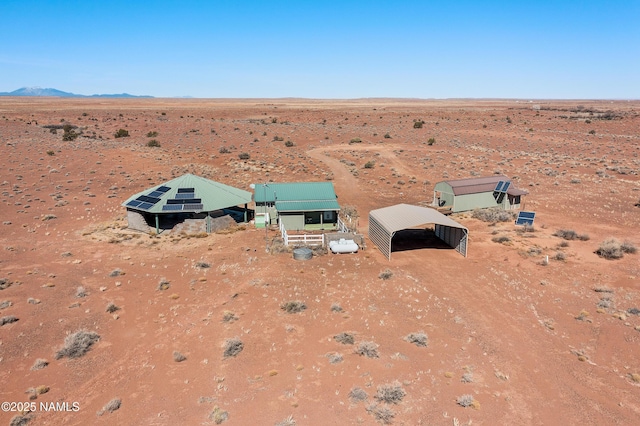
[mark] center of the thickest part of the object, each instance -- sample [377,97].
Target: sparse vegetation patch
[418,339]
[368,349]
[391,393]
[232,347]
[293,307]
[345,338]
[77,344]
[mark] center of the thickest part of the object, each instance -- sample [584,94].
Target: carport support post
[245,212]
[157,225]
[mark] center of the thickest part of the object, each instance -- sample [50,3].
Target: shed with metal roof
[384,223]
[458,195]
[298,205]
[187,196]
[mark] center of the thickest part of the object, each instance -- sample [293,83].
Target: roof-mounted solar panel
[506,186]
[181,190]
[525,218]
[156,194]
[145,206]
[185,195]
[172,207]
[134,203]
[499,186]
[148,199]
[193,206]
[163,189]
[184,201]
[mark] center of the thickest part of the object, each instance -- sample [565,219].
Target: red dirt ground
[537,343]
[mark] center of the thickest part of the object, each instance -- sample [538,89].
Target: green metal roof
[212,195]
[295,191]
[307,206]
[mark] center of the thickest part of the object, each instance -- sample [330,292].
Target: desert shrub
[229,317]
[39,364]
[112,307]
[21,419]
[178,357]
[334,358]
[203,265]
[115,273]
[163,284]
[289,144]
[8,320]
[560,256]
[368,349]
[51,153]
[358,394]
[386,274]
[77,344]
[232,347]
[633,311]
[5,283]
[277,138]
[293,307]
[417,124]
[218,415]
[224,150]
[628,247]
[244,156]
[334,308]
[6,303]
[610,248]
[355,140]
[465,400]
[153,144]
[431,141]
[345,338]
[381,413]
[567,234]
[110,406]
[467,378]
[121,133]
[152,134]
[81,292]
[387,136]
[391,393]
[493,215]
[501,239]
[369,165]
[418,339]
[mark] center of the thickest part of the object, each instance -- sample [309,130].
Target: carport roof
[404,216]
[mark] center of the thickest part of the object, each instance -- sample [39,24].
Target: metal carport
[385,222]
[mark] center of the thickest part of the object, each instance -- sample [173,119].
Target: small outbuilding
[298,206]
[186,197]
[459,195]
[386,222]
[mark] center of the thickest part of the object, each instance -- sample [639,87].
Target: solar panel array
[185,199]
[525,218]
[502,186]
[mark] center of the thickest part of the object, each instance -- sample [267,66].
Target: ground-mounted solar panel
[185,195]
[163,189]
[172,207]
[505,186]
[145,206]
[148,199]
[499,186]
[193,206]
[181,190]
[525,218]
[134,203]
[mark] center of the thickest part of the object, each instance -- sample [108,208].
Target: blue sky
[324,49]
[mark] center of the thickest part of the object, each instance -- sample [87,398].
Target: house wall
[481,200]
[446,194]
[292,221]
[136,221]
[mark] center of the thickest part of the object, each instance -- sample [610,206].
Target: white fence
[301,239]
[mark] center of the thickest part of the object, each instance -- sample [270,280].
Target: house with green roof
[298,206]
[185,197]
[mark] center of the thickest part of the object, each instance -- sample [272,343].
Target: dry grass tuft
[391,393]
[345,338]
[218,415]
[39,364]
[358,395]
[382,414]
[418,339]
[386,274]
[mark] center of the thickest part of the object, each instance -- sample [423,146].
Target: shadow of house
[188,197]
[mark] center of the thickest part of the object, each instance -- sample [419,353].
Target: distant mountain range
[39,91]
